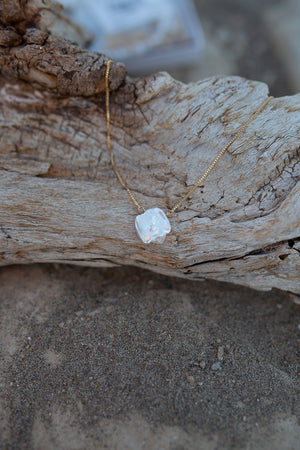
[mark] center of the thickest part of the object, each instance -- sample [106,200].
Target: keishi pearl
[152,226]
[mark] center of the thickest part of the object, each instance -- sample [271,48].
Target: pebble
[216,366]
[190,379]
[220,353]
[202,364]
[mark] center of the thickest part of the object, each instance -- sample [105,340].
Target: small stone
[190,379]
[216,366]
[152,226]
[220,353]
[202,364]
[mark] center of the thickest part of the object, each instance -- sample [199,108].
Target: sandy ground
[125,359]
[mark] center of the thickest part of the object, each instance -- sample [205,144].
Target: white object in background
[145,34]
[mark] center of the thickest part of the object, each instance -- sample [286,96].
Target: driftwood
[61,202]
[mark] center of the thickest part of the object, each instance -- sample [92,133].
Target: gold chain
[118,175]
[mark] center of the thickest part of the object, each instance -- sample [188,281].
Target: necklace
[153,224]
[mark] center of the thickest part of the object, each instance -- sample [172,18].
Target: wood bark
[61,202]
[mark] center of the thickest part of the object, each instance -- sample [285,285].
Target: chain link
[187,195]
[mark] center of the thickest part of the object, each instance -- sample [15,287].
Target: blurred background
[192,40]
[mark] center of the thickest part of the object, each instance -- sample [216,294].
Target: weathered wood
[40,56]
[57,65]
[61,202]
[44,15]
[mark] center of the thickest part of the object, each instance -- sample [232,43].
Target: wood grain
[61,202]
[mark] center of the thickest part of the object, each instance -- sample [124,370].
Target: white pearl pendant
[152,226]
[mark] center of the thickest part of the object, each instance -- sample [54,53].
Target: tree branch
[61,202]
